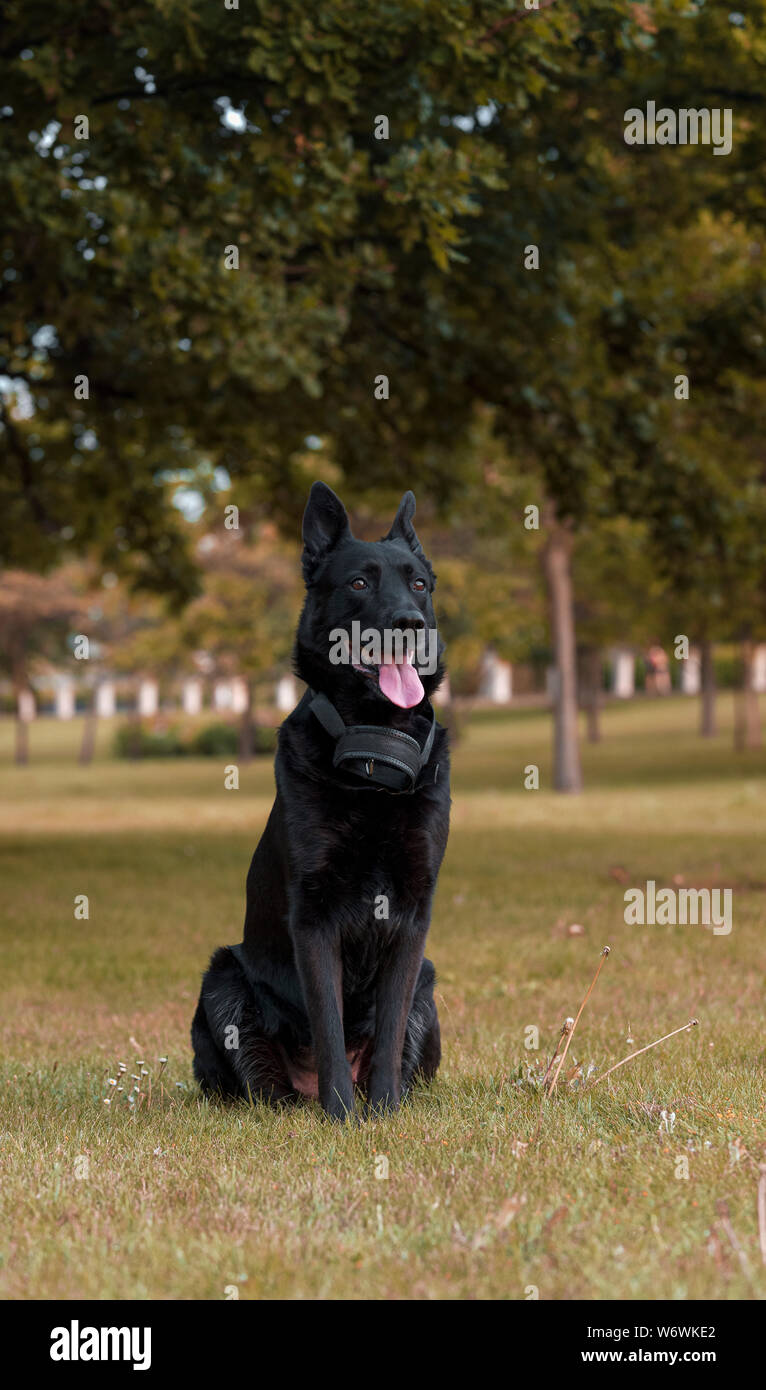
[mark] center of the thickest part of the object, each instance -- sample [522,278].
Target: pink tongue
[401,683]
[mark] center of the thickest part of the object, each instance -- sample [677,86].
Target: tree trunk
[747,723]
[247,728]
[21,688]
[448,718]
[90,725]
[21,750]
[557,567]
[134,741]
[591,671]
[707,683]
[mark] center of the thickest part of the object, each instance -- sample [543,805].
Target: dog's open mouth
[398,681]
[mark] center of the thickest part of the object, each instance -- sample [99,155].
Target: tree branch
[514,19]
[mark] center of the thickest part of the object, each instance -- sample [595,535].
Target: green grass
[183,1199]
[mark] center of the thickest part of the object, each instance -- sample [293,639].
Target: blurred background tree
[35,614]
[245,615]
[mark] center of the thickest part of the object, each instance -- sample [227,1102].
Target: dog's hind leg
[211,1068]
[422,1040]
[234,1054]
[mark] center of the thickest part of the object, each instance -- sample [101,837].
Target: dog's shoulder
[299,744]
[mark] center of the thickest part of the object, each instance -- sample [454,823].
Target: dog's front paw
[383,1098]
[338,1104]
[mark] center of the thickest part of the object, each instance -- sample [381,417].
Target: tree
[34,619]
[701,481]
[127,632]
[620,597]
[245,616]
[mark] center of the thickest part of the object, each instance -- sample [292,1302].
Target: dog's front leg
[318,958]
[397,977]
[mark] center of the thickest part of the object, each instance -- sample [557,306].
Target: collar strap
[384,758]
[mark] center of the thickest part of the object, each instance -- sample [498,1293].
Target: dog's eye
[359,583]
[418,585]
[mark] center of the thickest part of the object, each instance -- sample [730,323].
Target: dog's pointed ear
[325,525]
[403,529]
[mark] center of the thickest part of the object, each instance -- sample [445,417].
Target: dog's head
[367,626]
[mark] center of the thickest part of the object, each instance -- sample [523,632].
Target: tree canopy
[359,256]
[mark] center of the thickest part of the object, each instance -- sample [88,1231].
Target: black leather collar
[384,759]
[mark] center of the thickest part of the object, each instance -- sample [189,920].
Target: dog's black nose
[413,620]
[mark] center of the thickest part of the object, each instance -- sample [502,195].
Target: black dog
[330,988]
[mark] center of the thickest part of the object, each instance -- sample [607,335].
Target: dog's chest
[385,850]
[374,862]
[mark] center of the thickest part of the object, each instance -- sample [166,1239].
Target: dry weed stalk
[691,1024]
[570,1031]
[565,1028]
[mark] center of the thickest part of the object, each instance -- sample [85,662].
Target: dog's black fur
[325,995]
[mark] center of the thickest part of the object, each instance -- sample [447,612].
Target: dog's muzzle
[384,759]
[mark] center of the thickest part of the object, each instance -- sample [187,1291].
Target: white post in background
[192,696]
[65,702]
[148,698]
[106,704]
[444,693]
[222,695]
[286,694]
[26,706]
[496,682]
[238,695]
[623,673]
[691,680]
[759,668]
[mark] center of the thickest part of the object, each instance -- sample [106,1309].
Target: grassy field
[176,1198]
